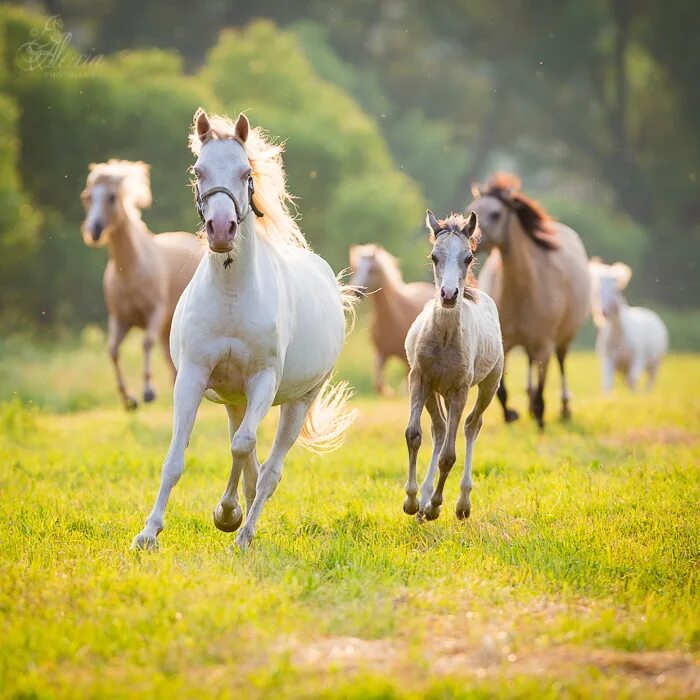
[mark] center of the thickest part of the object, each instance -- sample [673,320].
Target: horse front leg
[418,396]
[538,400]
[117,331]
[448,455]
[153,327]
[565,393]
[189,390]
[292,417]
[509,414]
[437,430]
[228,514]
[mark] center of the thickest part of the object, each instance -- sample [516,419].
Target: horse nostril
[232,228]
[96,230]
[210,228]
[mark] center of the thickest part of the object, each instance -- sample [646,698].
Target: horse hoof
[144,542]
[565,415]
[149,395]
[463,512]
[511,415]
[431,512]
[130,403]
[410,505]
[228,520]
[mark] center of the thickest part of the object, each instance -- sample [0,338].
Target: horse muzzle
[221,234]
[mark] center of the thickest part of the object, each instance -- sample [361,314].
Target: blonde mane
[271,195]
[131,177]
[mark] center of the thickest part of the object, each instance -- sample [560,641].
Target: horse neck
[126,240]
[242,269]
[389,296]
[447,323]
[519,264]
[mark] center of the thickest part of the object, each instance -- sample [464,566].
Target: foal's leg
[189,390]
[437,430]
[228,514]
[292,417]
[117,330]
[418,396]
[153,327]
[565,394]
[447,456]
[509,414]
[472,426]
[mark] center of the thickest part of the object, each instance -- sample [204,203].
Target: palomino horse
[453,345]
[261,324]
[395,303]
[145,274]
[631,339]
[538,276]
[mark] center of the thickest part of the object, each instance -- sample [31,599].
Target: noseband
[201,198]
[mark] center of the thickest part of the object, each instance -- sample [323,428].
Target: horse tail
[328,418]
[350,295]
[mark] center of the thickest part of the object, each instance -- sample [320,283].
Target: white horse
[631,339]
[454,344]
[261,324]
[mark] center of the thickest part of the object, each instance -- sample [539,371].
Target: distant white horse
[454,344]
[261,324]
[631,339]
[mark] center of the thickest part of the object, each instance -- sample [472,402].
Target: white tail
[328,418]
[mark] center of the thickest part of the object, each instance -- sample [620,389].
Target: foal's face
[493,216]
[101,203]
[452,255]
[608,281]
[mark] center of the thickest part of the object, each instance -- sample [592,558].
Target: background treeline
[386,106]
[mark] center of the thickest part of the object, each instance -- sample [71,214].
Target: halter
[200,199]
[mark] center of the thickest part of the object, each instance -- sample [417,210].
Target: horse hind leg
[472,427]
[292,417]
[437,430]
[538,401]
[117,331]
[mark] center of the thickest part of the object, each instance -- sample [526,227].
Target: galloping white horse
[261,324]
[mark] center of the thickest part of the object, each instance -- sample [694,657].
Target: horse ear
[431,222]
[203,126]
[470,225]
[242,127]
[475,190]
[471,229]
[623,274]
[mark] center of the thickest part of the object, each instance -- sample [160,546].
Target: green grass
[576,576]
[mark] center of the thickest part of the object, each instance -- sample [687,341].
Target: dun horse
[538,276]
[631,339]
[145,274]
[454,344]
[395,303]
[260,325]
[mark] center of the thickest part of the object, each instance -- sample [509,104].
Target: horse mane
[132,177]
[271,195]
[454,223]
[533,217]
[388,263]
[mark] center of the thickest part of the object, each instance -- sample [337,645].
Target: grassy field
[578,574]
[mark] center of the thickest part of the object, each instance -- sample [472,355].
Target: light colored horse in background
[395,304]
[631,339]
[454,344]
[538,276]
[261,324]
[145,274]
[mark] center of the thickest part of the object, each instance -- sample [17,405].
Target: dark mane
[533,217]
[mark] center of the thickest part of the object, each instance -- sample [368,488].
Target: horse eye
[468,259]
[495,215]
[112,198]
[433,257]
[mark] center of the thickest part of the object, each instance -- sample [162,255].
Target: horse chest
[443,366]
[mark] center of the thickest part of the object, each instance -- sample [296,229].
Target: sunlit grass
[577,575]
